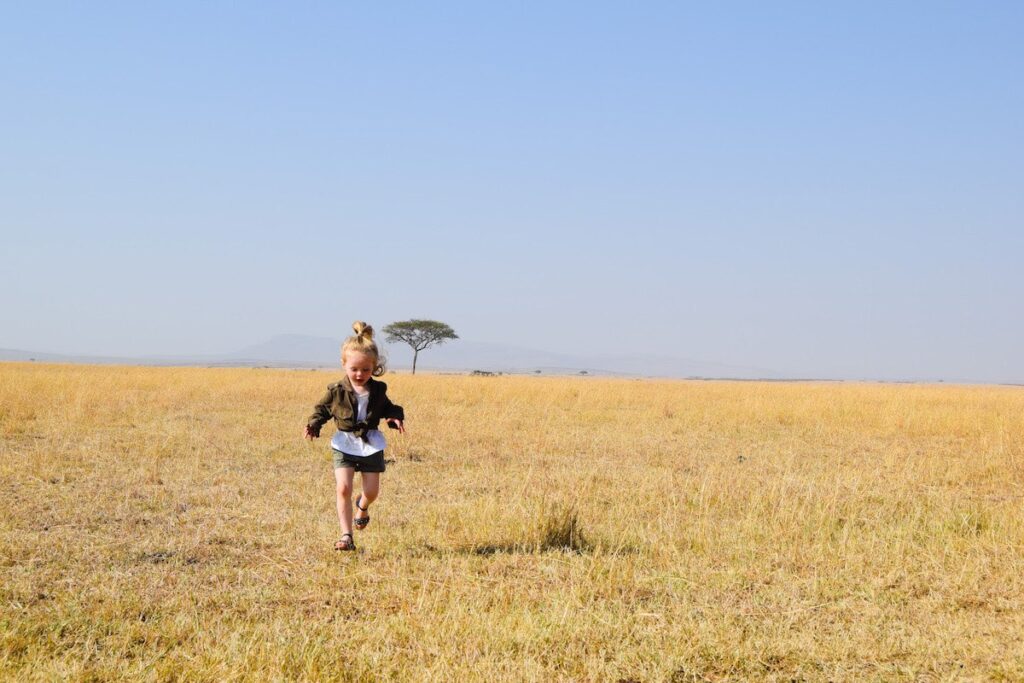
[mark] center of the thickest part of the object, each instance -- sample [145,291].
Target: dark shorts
[367,463]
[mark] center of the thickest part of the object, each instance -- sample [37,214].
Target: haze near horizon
[826,191]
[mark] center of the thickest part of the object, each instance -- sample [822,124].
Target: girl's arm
[394,415]
[321,414]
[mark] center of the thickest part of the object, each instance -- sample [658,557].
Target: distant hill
[292,348]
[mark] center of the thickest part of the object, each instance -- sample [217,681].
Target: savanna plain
[172,524]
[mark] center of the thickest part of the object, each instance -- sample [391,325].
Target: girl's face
[358,367]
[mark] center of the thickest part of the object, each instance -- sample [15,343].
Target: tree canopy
[419,334]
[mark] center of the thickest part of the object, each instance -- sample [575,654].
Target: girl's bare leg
[343,477]
[371,489]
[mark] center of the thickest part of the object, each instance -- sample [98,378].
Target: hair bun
[362,330]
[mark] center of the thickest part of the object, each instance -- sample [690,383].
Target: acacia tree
[419,334]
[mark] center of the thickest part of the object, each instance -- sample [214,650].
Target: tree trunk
[415,352]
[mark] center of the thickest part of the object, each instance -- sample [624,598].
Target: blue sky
[821,189]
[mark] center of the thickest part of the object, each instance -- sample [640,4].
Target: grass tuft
[560,530]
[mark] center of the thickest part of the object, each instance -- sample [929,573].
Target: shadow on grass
[519,548]
[510,548]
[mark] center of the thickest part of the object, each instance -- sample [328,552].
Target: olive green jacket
[340,403]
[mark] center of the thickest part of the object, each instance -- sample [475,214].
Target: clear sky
[824,189]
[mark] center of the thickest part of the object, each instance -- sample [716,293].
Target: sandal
[345,544]
[361,522]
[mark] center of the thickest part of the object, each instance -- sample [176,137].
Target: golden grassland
[172,524]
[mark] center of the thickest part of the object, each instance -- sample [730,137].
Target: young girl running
[357,403]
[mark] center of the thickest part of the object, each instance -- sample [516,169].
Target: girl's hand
[310,434]
[397,424]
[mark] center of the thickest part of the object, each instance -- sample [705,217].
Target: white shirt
[350,444]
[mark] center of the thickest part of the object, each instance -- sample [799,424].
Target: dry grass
[171,524]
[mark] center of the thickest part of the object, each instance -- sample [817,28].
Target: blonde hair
[362,342]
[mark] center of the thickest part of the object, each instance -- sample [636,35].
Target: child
[357,403]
